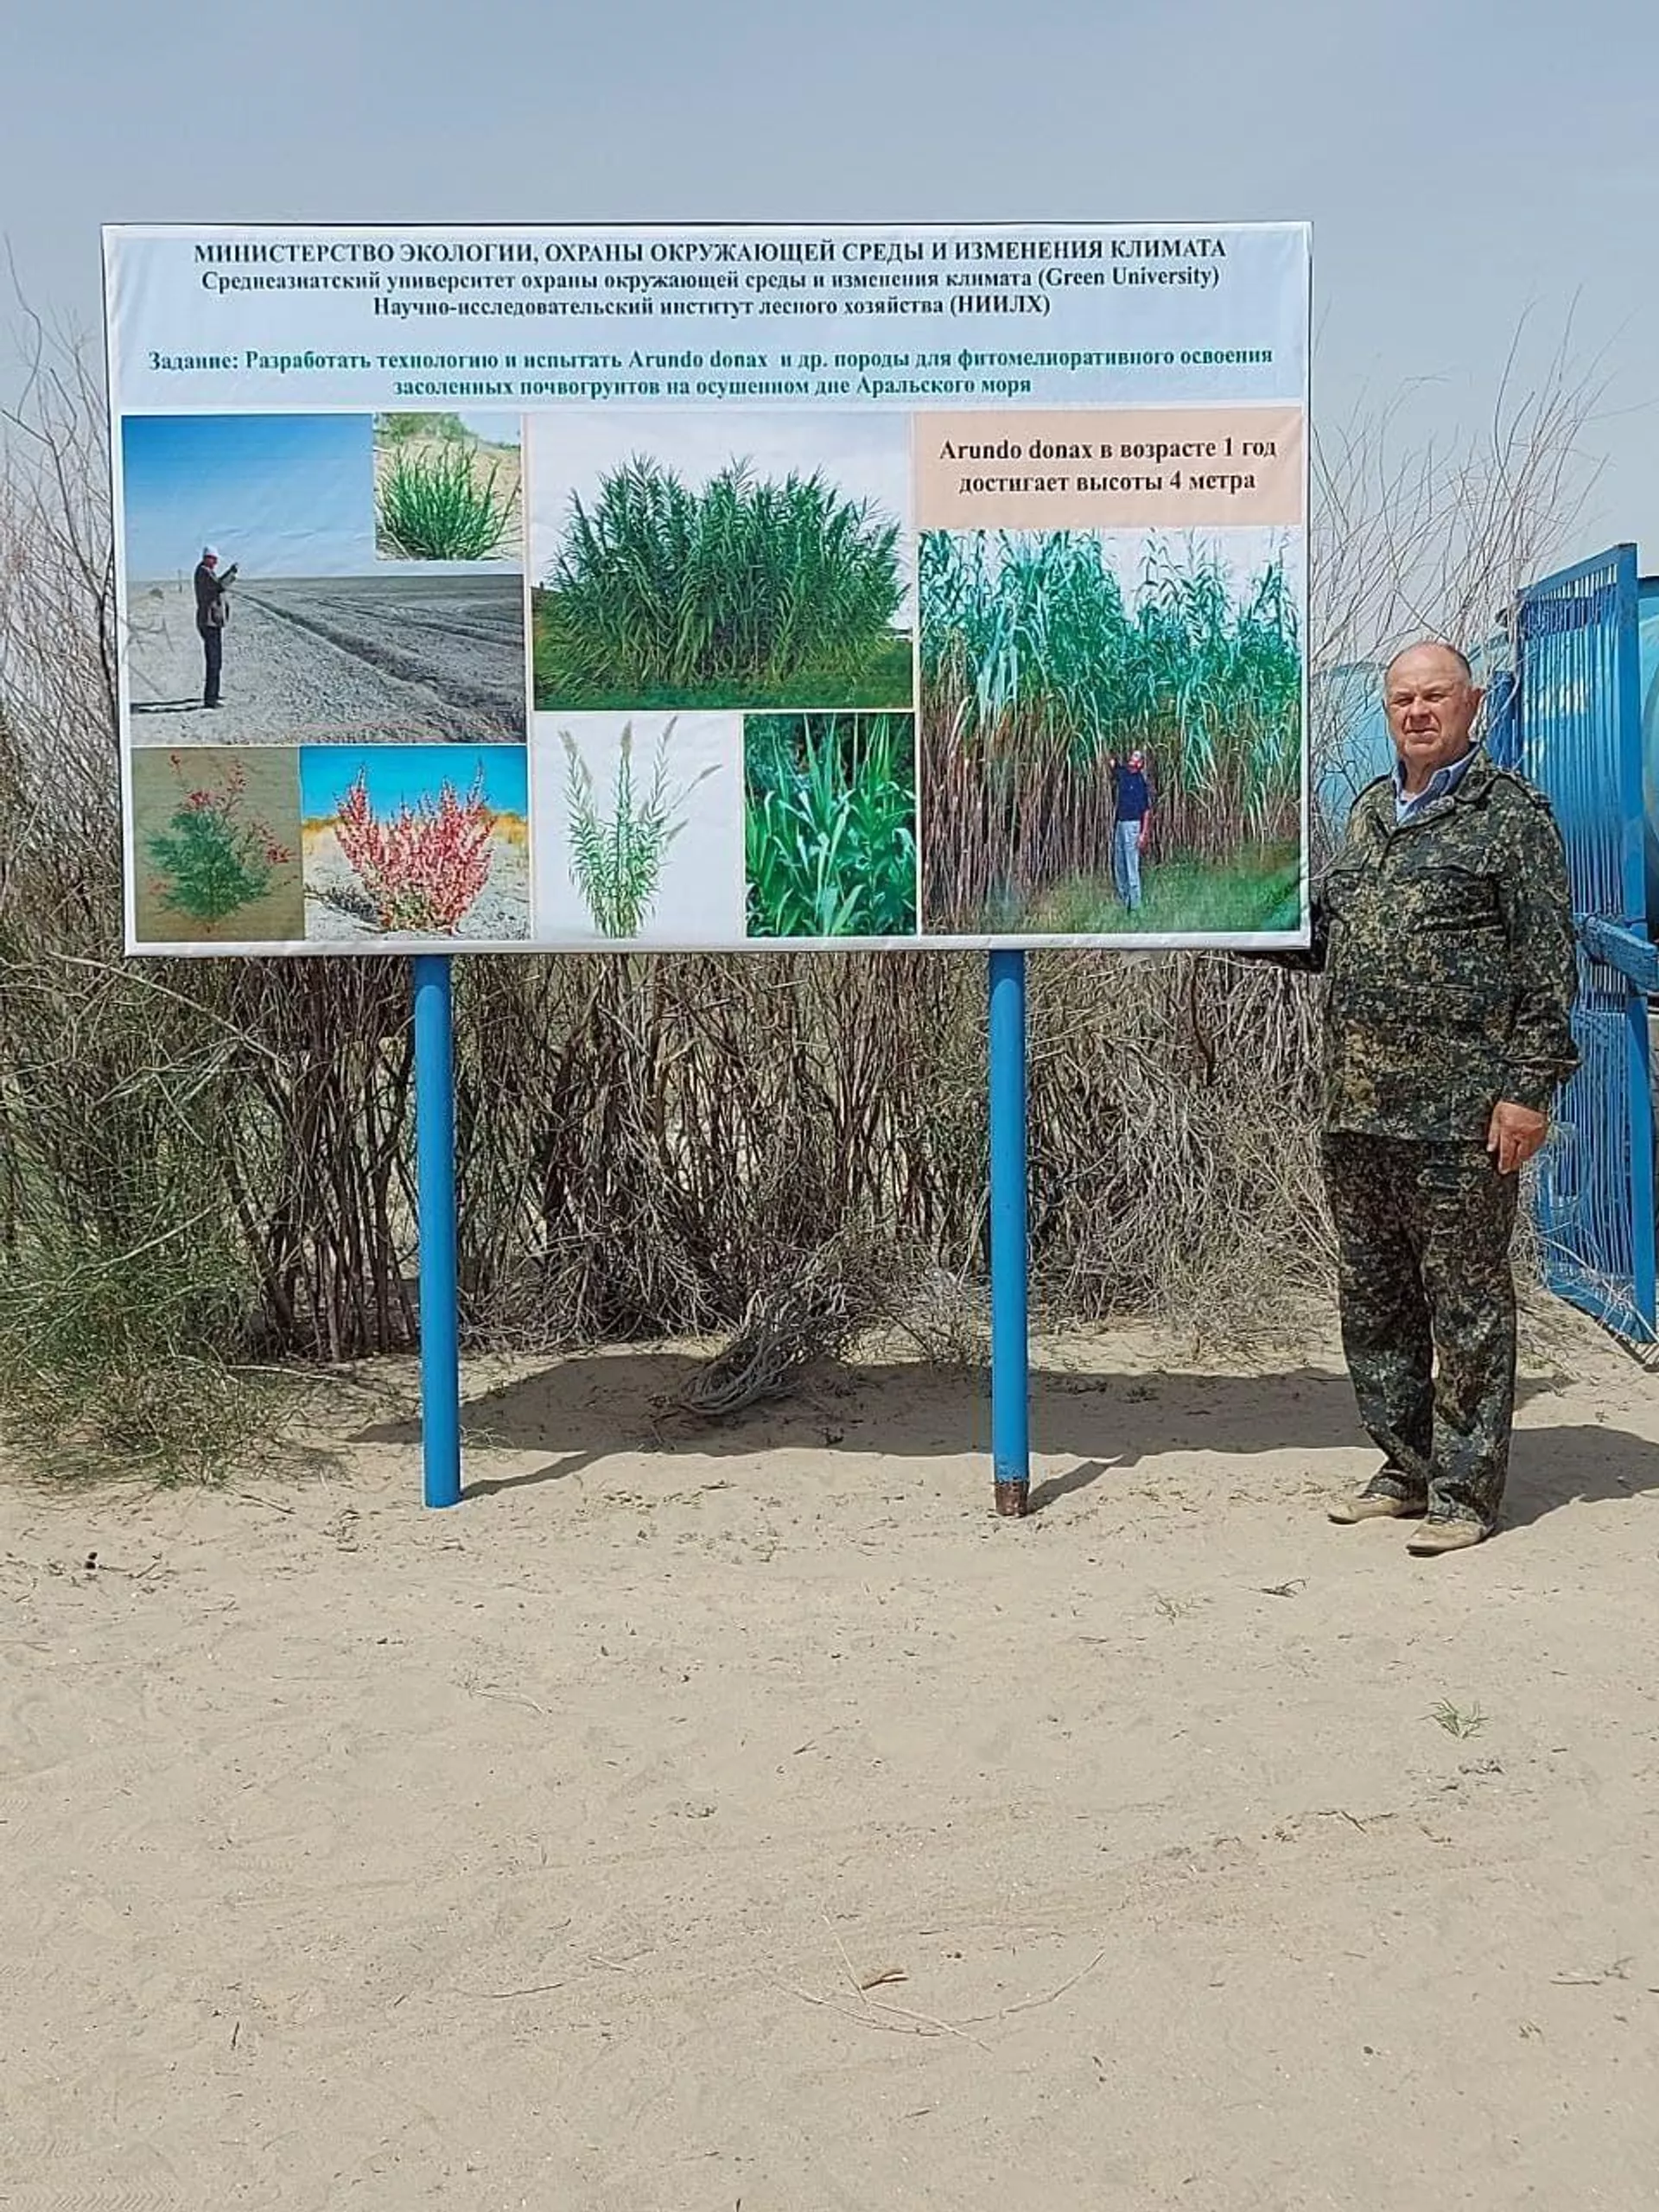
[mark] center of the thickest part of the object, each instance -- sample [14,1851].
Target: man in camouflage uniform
[1444,928]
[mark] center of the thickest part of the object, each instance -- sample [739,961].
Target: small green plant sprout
[435,506]
[213,859]
[1459,1720]
[617,857]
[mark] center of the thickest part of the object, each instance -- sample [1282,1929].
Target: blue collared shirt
[1440,785]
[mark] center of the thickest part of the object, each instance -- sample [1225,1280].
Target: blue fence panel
[1647,622]
[1579,738]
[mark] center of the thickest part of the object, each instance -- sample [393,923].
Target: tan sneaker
[1444,1532]
[1373,1504]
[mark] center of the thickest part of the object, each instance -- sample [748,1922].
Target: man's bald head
[1430,645]
[1432,700]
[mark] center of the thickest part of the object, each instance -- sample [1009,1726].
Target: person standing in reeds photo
[1131,825]
[213,613]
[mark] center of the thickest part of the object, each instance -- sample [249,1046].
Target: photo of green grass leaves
[446,489]
[1045,658]
[830,825]
[684,561]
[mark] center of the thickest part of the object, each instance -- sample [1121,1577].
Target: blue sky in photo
[401,775]
[283,495]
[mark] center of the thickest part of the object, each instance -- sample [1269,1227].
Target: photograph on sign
[639,827]
[711,589]
[697,560]
[414,841]
[1085,693]
[448,487]
[830,825]
[262,608]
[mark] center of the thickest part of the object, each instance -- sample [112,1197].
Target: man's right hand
[1516,1133]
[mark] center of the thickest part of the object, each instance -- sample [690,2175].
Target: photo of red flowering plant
[217,840]
[415,841]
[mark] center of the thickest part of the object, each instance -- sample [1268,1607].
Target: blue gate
[1573,725]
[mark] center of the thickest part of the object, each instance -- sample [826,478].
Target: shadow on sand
[587,1408]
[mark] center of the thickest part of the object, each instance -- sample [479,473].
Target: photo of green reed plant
[747,590]
[830,825]
[442,493]
[1045,656]
[618,846]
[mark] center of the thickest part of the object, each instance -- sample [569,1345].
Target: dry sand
[371,660]
[534,1854]
[339,911]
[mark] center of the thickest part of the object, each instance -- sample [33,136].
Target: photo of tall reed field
[689,575]
[1047,657]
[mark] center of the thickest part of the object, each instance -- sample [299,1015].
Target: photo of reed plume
[415,841]
[619,843]
[446,487]
[1047,660]
[683,574]
[639,830]
[216,845]
[830,825]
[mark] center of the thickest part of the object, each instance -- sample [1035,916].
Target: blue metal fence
[1576,730]
[1579,713]
[1648,634]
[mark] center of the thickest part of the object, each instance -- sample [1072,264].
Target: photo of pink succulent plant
[416,841]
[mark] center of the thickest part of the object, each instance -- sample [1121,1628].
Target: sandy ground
[535,1854]
[399,660]
[337,909]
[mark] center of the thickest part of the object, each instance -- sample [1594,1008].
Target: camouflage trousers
[1427,1301]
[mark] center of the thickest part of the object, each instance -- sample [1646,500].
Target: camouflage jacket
[1448,949]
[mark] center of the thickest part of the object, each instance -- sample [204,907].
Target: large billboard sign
[711,588]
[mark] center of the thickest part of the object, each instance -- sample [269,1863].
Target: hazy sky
[1466,163]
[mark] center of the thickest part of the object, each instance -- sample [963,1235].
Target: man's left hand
[1517,1132]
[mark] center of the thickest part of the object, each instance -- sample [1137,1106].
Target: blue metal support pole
[1010,1339]
[434,1159]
